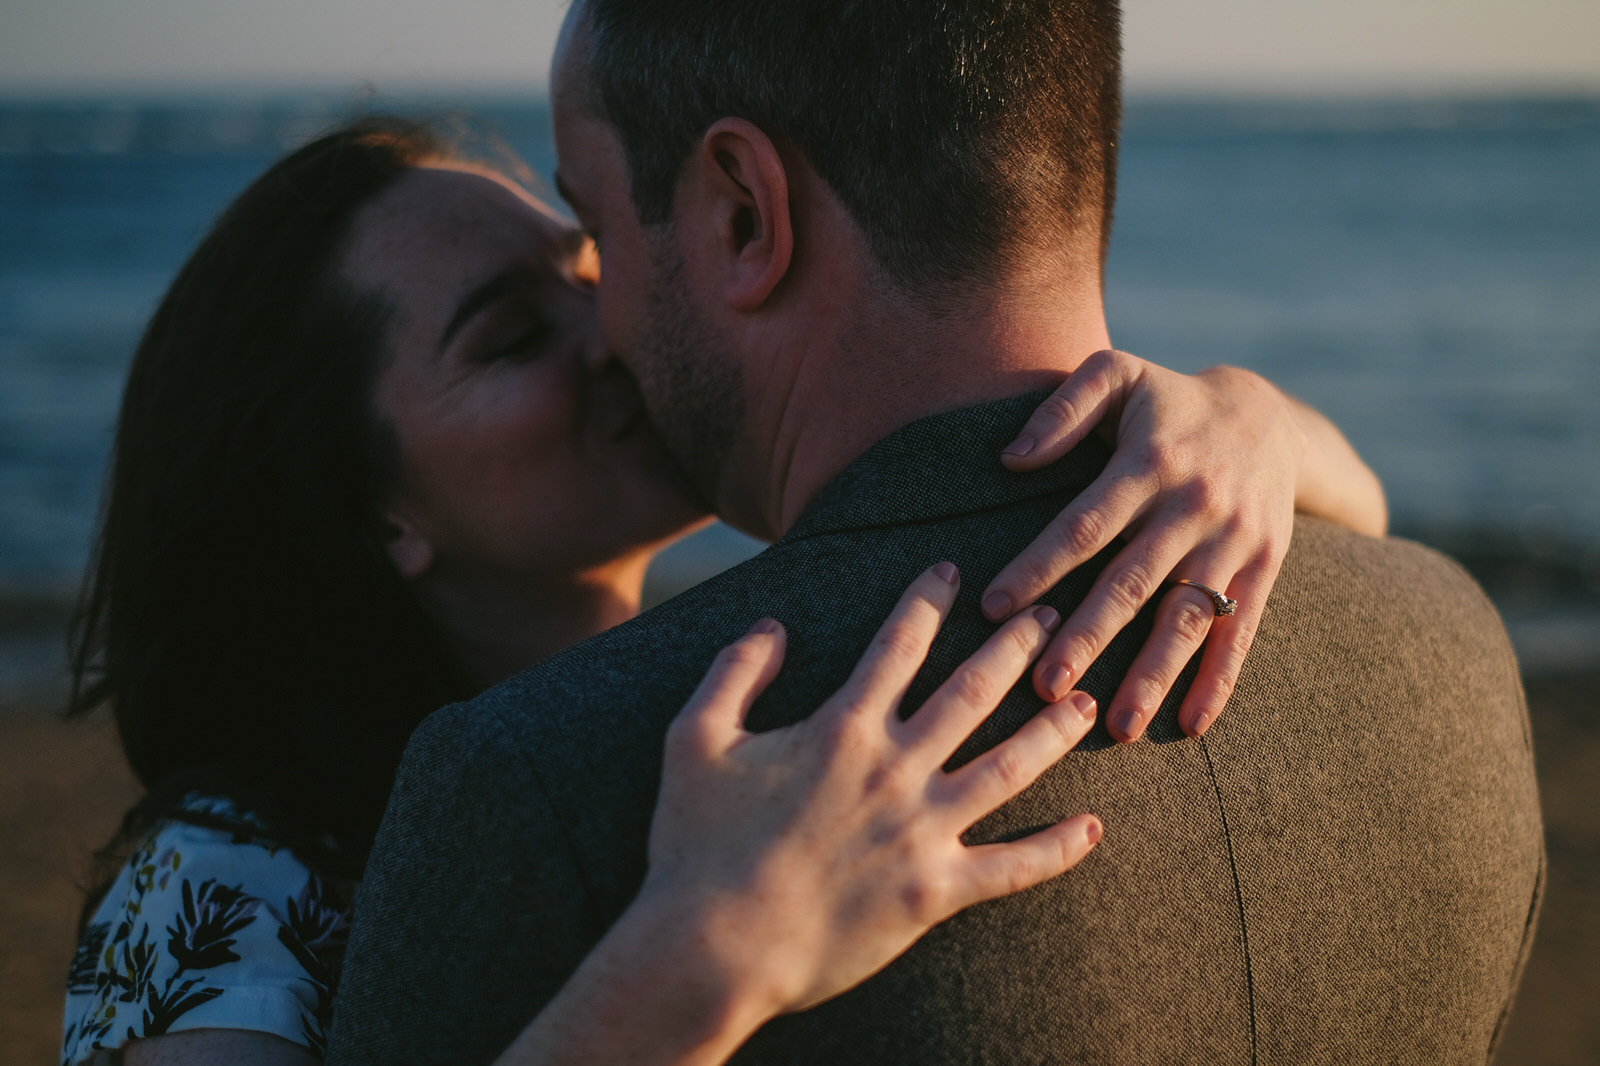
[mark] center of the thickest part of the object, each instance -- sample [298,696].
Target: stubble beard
[691,385]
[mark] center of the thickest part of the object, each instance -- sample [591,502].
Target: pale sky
[1296,46]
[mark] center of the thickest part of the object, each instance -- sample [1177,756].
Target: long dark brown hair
[240,616]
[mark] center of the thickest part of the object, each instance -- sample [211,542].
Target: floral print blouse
[206,929]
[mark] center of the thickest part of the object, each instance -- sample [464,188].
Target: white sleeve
[203,930]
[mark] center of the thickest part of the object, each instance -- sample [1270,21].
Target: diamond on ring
[1219,603]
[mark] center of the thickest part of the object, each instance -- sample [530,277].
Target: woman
[341,498]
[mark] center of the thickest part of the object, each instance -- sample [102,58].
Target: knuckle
[1190,620]
[1086,532]
[1010,769]
[1025,638]
[899,641]
[1202,496]
[1102,362]
[743,653]
[1237,524]
[1079,648]
[846,734]
[1239,643]
[975,687]
[1141,465]
[1036,571]
[923,898]
[1129,588]
[1058,407]
[1018,872]
[1159,456]
[885,783]
[1066,854]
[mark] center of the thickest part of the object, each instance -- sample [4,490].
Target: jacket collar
[943,466]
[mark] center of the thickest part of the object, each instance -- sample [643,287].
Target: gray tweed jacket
[1345,870]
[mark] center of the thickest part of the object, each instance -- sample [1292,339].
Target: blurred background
[1389,207]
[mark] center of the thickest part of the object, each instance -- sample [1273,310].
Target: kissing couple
[396,434]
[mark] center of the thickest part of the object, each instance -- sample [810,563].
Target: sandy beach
[63,787]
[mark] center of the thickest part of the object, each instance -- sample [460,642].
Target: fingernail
[1125,723]
[1094,831]
[1047,617]
[996,605]
[1083,703]
[948,572]
[1057,680]
[766,625]
[1201,722]
[1020,448]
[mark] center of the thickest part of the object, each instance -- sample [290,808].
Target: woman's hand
[788,866]
[1207,474]
[845,845]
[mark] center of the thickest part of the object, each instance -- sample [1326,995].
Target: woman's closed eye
[533,339]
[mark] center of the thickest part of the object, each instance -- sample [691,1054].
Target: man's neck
[874,367]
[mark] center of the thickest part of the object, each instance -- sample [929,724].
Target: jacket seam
[1238,895]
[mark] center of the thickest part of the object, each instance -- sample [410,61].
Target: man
[841,244]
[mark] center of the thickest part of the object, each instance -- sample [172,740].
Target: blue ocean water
[1427,273]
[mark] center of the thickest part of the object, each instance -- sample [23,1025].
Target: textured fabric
[1345,870]
[206,929]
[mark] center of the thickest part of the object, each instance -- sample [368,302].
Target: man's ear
[747,188]
[409,551]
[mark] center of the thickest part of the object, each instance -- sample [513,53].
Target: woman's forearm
[655,990]
[1334,483]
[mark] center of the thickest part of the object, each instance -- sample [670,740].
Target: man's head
[925,150]
[956,132]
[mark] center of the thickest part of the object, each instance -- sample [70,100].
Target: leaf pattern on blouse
[202,937]
[207,928]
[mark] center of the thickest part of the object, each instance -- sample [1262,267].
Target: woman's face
[525,452]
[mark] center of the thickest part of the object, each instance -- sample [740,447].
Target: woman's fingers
[971,694]
[1231,638]
[1076,535]
[896,653]
[716,712]
[1183,621]
[1012,765]
[1118,594]
[993,870]
[1070,413]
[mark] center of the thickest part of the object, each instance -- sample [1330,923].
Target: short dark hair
[958,133]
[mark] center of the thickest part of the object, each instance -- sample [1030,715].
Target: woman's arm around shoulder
[1207,474]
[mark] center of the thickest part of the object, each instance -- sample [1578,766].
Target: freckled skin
[523,444]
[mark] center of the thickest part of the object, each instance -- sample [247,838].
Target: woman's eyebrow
[483,295]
